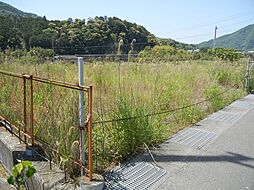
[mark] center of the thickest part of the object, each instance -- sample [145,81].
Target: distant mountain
[242,39]
[176,44]
[6,9]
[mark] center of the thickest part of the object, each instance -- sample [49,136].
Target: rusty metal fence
[46,113]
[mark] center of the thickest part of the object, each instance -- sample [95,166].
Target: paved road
[216,154]
[226,163]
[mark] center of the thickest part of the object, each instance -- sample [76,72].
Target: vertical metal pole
[81,113]
[214,40]
[24,106]
[90,148]
[31,110]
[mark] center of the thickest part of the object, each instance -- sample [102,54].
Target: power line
[234,25]
[221,28]
[240,22]
[211,23]
[194,36]
[104,46]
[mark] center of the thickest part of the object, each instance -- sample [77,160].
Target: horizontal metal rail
[14,127]
[28,130]
[47,81]
[11,74]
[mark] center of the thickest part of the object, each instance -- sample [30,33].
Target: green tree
[52,34]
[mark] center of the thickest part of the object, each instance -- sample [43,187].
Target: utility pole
[214,40]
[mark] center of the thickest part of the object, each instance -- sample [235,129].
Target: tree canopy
[99,35]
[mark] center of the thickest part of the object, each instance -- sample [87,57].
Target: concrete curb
[45,179]
[5,186]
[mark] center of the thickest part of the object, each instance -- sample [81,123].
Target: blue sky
[190,21]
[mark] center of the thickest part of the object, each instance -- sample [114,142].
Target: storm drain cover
[242,105]
[225,117]
[138,175]
[193,137]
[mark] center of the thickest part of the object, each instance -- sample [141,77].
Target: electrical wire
[209,24]
[109,46]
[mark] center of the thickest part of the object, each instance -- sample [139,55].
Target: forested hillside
[242,39]
[98,35]
[176,44]
[6,9]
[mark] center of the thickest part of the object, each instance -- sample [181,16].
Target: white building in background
[193,51]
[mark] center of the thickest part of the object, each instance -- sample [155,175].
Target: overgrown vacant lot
[142,94]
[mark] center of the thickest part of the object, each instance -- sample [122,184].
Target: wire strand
[165,111]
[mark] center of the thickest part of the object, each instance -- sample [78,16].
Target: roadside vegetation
[164,86]
[144,94]
[167,53]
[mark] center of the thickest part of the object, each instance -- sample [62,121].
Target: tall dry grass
[122,90]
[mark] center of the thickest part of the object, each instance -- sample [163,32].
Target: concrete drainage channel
[46,178]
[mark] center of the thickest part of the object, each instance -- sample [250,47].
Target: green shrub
[217,101]
[226,54]
[132,133]
[222,76]
[41,53]
[20,173]
[163,53]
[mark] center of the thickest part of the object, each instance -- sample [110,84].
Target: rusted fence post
[31,110]
[90,143]
[24,106]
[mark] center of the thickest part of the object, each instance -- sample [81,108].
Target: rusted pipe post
[31,110]
[90,148]
[24,106]
[19,136]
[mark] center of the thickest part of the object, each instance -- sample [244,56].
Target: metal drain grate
[225,117]
[242,105]
[138,176]
[193,137]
